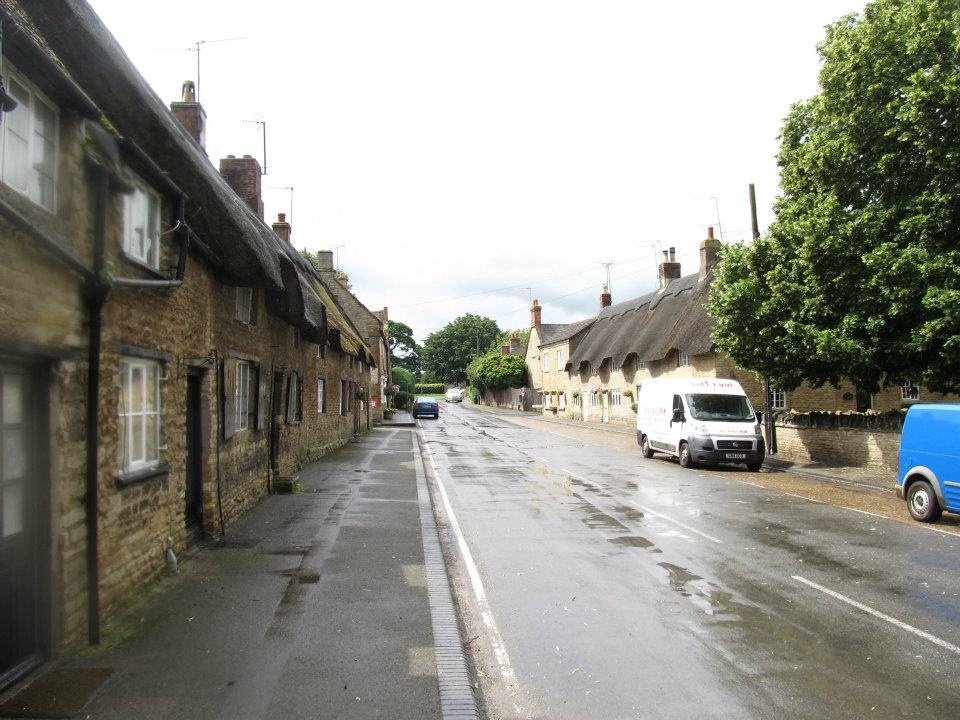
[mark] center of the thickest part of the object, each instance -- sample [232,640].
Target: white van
[698,420]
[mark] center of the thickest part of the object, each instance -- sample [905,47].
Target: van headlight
[757,429]
[699,428]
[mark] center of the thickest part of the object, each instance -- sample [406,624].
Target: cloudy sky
[465,157]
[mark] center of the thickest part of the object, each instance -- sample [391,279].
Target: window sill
[136,262]
[132,477]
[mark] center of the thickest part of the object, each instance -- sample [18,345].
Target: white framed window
[29,131]
[139,411]
[244,304]
[636,393]
[560,359]
[241,397]
[547,400]
[615,397]
[909,391]
[321,395]
[546,361]
[141,224]
[562,401]
[320,351]
[641,364]
[778,399]
[682,359]
[594,399]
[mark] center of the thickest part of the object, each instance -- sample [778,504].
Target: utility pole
[769,432]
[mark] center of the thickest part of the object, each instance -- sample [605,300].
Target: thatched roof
[552,334]
[650,327]
[343,333]
[75,49]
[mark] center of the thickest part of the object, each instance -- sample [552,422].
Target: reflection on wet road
[623,587]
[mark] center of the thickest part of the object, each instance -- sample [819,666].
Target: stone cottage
[166,357]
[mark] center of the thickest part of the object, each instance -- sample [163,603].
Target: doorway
[193,492]
[21,566]
[276,419]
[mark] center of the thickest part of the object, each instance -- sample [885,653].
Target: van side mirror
[677,416]
[759,417]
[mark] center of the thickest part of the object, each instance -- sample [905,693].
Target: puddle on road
[629,513]
[588,487]
[632,541]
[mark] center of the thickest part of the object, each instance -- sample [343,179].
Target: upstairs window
[546,361]
[244,304]
[321,395]
[682,359]
[141,225]
[778,399]
[29,150]
[559,359]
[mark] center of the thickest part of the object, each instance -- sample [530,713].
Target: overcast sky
[456,154]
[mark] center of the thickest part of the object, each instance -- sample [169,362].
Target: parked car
[928,476]
[454,395]
[699,420]
[426,406]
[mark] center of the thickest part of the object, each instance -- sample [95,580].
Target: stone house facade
[666,333]
[166,358]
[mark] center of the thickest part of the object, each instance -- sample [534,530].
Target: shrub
[429,388]
[402,400]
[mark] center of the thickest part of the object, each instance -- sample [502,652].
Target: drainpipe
[97,292]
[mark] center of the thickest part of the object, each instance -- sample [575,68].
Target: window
[547,400]
[141,225]
[636,394]
[682,359]
[319,351]
[594,398]
[641,364]
[559,359]
[244,304]
[321,395]
[615,397]
[343,397]
[30,145]
[546,361]
[139,410]
[909,391]
[778,399]
[241,397]
[562,401]
[294,398]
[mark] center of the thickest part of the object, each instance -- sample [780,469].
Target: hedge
[430,388]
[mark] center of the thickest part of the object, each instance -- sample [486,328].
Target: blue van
[929,468]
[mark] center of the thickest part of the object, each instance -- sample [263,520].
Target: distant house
[166,357]
[592,370]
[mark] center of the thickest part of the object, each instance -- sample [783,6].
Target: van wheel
[686,460]
[754,467]
[922,502]
[645,448]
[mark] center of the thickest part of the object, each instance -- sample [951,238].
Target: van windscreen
[729,408]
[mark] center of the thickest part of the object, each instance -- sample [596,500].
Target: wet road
[597,584]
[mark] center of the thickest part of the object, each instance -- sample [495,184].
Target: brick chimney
[281,227]
[325,260]
[669,269]
[514,343]
[709,253]
[243,175]
[190,114]
[535,315]
[605,298]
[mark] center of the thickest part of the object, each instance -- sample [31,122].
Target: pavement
[332,602]
[870,478]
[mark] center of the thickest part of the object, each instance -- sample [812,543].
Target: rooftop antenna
[262,125]
[290,188]
[607,266]
[336,250]
[196,49]
[716,204]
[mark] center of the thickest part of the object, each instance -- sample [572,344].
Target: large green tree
[447,352]
[404,350]
[859,277]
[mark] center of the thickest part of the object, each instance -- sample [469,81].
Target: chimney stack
[243,175]
[325,260]
[190,114]
[709,253]
[514,343]
[281,227]
[605,298]
[535,315]
[669,269]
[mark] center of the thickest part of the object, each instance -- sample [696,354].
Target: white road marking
[496,640]
[647,510]
[877,614]
[537,457]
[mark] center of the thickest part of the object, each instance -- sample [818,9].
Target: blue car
[426,406]
[928,476]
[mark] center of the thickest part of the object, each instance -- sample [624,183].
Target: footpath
[331,602]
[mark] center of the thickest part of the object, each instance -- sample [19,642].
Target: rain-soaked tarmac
[597,584]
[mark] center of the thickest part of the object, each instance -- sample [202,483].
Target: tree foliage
[403,379]
[859,277]
[495,371]
[447,352]
[404,349]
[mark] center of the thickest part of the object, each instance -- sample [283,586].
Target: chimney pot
[281,217]
[605,298]
[710,232]
[282,228]
[190,114]
[673,254]
[709,253]
[188,92]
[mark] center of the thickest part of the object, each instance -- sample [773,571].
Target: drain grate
[60,693]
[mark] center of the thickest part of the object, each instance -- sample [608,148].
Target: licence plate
[736,456]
